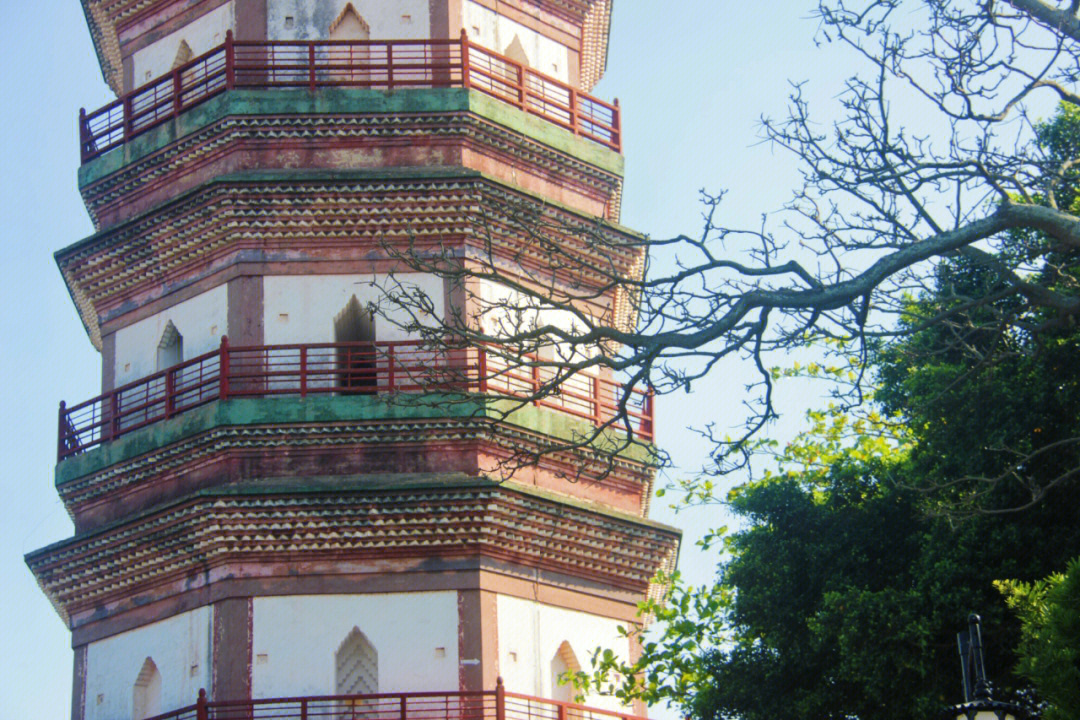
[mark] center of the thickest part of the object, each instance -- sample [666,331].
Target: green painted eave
[326,409]
[349,101]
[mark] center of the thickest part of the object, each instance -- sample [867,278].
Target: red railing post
[390,366]
[311,66]
[303,371]
[230,61]
[177,92]
[390,66]
[562,711]
[500,699]
[202,711]
[481,369]
[170,392]
[61,429]
[464,59]
[84,135]
[401,709]
[223,369]
[303,709]
[616,133]
[594,390]
[114,415]
[574,111]
[127,117]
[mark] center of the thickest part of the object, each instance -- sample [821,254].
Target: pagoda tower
[266,502]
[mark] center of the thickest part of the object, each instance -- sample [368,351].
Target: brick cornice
[343,527]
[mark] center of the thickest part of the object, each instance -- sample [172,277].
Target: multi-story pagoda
[260,511]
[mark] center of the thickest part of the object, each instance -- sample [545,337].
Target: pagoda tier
[280,492]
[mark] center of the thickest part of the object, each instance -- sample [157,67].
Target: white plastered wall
[530,634]
[179,647]
[311,19]
[202,34]
[495,32]
[295,638]
[302,308]
[201,320]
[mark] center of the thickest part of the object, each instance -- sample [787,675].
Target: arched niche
[356,666]
[354,330]
[564,661]
[146,695]
[170,349]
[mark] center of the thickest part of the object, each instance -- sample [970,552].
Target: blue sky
[693,77]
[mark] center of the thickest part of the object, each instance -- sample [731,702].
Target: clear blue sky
[692,77]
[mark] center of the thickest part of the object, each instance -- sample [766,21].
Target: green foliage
[1049,650]
[883,526]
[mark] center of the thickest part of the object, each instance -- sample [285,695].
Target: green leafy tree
[1049,650]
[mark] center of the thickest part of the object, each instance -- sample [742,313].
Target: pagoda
[272,518]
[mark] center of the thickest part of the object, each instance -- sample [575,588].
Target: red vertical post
[170,393]
[401,708]
[202,711]
[390,361]
[177,93]
[390,66]
[127,117]
[500,699]
[594,390]
[535,375]
[521,85]
[303,371]
[61,429]
[230,61]
[464,59]
[223,369]
[303,709]
[114,415]
[311,66]
[616,133]
[574,111]
[481,369]
[84,135]
[562,711]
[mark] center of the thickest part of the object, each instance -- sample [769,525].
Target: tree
[1049,612]
[887,195]
[840,596]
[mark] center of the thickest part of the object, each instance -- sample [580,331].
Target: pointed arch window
[350,64]
[146,696]
[516,51]
[564,661]
[183,54]
[356,665]
[170,349]
[354,330]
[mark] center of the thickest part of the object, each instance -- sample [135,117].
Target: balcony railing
[377,64]
[481,705]
[343,369]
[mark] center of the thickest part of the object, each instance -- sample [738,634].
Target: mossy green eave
[349,101]
[314,409]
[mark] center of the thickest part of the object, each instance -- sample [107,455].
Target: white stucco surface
[295,637]
[201,320]
[311,19]
[302,308]
[530,634]
[205,32]
[179,646]
[495,32]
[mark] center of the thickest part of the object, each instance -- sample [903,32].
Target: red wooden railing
[378,64]
[344,369]
[481,705]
